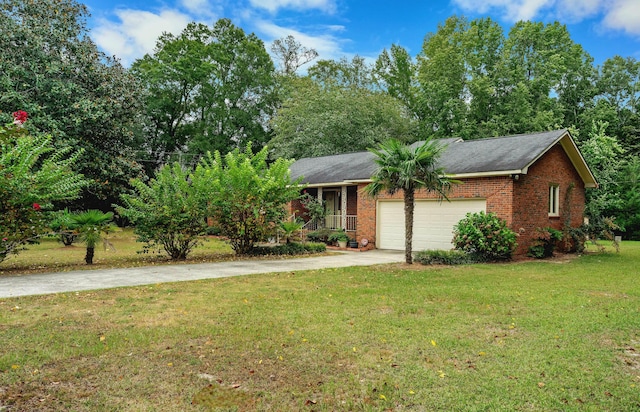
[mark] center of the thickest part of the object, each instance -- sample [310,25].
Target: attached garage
[433,222]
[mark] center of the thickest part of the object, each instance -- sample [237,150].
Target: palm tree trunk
[88,258]
[408,224]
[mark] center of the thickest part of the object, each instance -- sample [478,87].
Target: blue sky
[344,28]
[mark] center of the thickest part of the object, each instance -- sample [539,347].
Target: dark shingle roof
[490,156]
[499,154]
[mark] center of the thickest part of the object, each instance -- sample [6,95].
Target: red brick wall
[352,200]
[522,203]
[531,206]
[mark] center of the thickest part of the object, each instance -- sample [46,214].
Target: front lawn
[528,336]
[50,255]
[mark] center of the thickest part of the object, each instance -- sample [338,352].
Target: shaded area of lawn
[520,336]
[122,250]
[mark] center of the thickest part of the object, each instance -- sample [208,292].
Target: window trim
[554,200]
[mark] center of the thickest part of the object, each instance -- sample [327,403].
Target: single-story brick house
[532,181]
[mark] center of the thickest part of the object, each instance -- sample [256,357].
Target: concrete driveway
[47,283]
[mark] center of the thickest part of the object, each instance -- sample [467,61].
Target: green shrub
[444,257]
[167,212]
[292,248]
[338,236]
[320,235]
[316,210]
[546,243]
[245,194]
[598,229]
[485,235]
[212,231]
[34,174]
[63,226]
[313,247]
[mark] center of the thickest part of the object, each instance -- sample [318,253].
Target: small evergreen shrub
[320,235]
[212,231]
[546,243]
[287,249]
[444,257]
[312,247]
[485,235]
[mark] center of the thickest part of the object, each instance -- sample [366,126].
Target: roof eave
[495,173]
[574,155]
[578,161]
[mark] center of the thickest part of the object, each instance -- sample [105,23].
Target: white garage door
[433,222]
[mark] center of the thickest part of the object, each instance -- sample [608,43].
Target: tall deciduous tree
[442,76]
[291,54]
[50,68]
[316,120]
[396,72]
[629,184]
[210,88]
[617,101]
[343,73]
[476,82]
[603,154]
[540,67]
[406,168]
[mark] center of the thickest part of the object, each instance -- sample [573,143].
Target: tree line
[217,88]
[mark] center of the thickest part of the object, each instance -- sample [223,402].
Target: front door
[332,208]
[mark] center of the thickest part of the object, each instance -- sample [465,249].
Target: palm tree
[402,167]
[90,225]
[289,229]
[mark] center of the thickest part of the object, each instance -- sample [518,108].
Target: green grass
[529,336]
[51,255]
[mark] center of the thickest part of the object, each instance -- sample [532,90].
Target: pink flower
[20,117]
[36,207]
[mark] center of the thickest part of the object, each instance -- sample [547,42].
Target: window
[554,200]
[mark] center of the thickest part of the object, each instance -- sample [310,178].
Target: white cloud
[578,10]
[202,8]
[512,10]
[327,6]
[137,32]
[623,15]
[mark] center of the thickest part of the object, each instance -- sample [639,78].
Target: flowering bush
[20,117]
[485,235]
[32,175]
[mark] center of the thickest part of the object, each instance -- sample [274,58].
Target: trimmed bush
[292,248]
[485,235]
[320,235]
[312,247]
[444,257]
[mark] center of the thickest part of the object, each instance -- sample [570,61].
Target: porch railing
[334,222]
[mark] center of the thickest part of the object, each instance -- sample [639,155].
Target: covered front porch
[340,205]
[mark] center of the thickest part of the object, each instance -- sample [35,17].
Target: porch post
[320,194]
[344,207]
